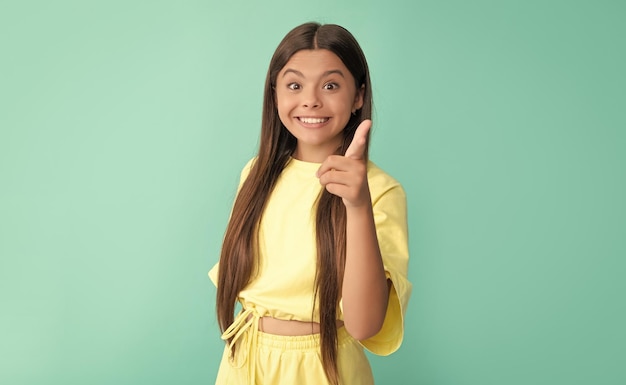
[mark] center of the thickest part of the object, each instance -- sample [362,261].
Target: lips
[311,120]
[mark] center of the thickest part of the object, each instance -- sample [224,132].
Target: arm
[365,289]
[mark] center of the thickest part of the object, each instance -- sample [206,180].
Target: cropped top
[283,284]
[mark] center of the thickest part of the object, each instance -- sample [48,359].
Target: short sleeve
[213,273]
[390,216]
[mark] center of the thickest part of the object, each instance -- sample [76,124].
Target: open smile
[311,120]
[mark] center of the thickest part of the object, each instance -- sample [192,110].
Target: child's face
[315,95]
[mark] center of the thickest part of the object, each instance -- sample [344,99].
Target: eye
[331,86]
[293,86]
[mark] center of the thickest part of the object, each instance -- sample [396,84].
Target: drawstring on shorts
[236,330]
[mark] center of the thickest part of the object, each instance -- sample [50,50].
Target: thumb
[356,150]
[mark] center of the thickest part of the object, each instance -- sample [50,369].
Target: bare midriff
[281,327]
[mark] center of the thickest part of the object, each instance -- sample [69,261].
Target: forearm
[365,291]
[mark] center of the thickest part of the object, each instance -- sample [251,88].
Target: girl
[316,247]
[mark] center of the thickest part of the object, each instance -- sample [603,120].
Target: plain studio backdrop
[124,125]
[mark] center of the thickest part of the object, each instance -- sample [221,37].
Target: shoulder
[382,184]
[246,169]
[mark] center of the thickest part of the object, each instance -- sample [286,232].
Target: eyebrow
[298,73]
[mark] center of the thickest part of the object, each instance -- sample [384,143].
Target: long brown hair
[240,246]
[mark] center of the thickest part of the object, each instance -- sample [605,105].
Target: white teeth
[313,120]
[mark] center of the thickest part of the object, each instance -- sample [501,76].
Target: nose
[311,99]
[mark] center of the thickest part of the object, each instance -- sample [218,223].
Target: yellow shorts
[287,360]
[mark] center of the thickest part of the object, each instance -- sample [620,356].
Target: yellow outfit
[284,283]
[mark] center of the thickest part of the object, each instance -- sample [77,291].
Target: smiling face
[315,95]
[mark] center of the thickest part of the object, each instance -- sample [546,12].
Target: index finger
[356,150]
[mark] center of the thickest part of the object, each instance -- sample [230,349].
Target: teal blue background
[124,125]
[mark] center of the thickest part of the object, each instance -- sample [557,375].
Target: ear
[358,98]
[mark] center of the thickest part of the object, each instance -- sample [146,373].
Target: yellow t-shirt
[283,285]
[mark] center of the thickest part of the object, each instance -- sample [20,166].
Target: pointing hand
[346,176]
